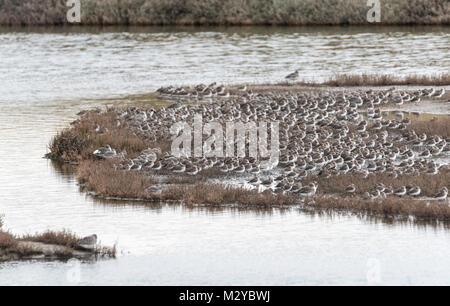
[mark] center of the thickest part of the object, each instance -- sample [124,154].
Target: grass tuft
[105,180]
[63,238]
[91,132]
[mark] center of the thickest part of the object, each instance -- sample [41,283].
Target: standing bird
[242,88]
[439,93]
[105,152]
[293,76]
[442,196]
[414,191]
[308,191]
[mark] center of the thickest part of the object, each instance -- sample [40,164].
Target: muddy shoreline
[132,171]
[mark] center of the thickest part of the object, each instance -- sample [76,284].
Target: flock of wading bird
[322,134]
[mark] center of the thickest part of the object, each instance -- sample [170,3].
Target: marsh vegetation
[358,80]
[218,12]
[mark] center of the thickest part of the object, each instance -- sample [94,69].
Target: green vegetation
[219,12]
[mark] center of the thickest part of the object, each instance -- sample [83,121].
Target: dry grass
[349,80]
[219,12]
[7,241]
[421,210]
[81,140]
[102,178]
[63,238]
[220,194]
[183,179]
[430,184]
[69,145]
[217,195]
[437,126]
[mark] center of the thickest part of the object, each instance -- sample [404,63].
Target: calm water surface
[48,75]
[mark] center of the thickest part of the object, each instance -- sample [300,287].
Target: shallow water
[60,65]
[48,75]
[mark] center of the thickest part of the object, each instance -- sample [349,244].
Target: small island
[359,144]
[50,245]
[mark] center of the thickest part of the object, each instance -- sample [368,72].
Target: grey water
[47,75]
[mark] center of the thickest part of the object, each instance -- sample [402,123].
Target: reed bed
[219,12]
